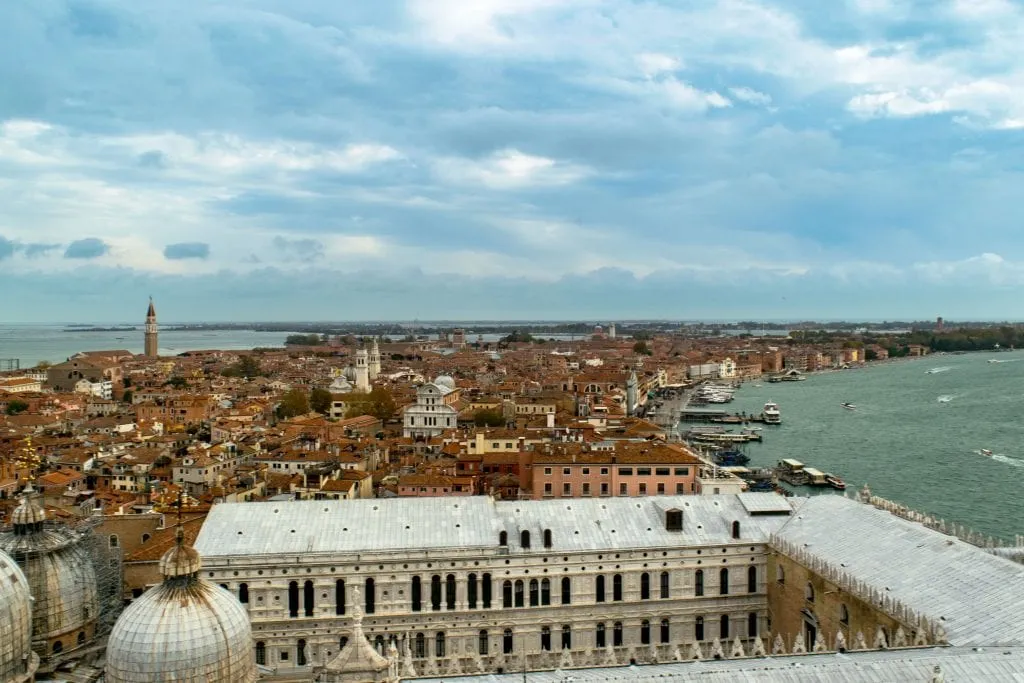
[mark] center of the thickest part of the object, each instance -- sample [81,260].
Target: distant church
[150,345]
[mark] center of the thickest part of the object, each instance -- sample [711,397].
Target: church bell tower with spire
[150,348]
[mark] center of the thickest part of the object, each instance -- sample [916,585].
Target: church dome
[17,661]
[445,382]
[186,630]
[60,576]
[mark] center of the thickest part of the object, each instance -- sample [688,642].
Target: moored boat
[771,413]
[835,482]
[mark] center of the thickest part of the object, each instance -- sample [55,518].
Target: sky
[502,159]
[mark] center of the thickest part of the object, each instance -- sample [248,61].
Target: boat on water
[986,452]
[771,414]
[848,406]
[835,482]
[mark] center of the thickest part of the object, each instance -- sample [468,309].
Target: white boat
[848,406]
[771,413]
[986,452]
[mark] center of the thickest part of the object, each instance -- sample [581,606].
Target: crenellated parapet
[924,629]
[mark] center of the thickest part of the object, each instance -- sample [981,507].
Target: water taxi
[986,452]
[835,482]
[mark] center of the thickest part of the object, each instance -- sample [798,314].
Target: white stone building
[433,412]
[471,584]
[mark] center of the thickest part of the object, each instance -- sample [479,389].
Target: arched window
[844,615]
[698,583]
[752,625]
[698,629]
[506,641]
[378,644]
[735,529]
[723,581]
[261,653]
[420,646]
[545,592]
[617,634]
[566,637]
[664,586]
[506,594]
[113,541]
[524,539]
[780,574]
[243,593]
[435,592]
[58,647]
[809,592]
[645,586]
[534,593]
[417,593]
[645,632]
[300,648]
[339,596]
[145,537]
[519,592]
[599,639]
[617,587]
[471,591]
[665,631]
[486,590]
[751,579]
[81,637]
[503,538]
[449,591]
[723,629]
[566,590]
[293,599]
[545,638]
[224,586]
[599,589]
[482,644]
[307,598]
[547,538]
[371,596]
[439,644]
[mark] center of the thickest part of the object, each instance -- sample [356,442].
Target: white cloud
[652,64]
[509,169]
[751,96]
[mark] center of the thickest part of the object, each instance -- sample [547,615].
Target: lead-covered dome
[17,661]
[446,382]
[60,576]
[185,630]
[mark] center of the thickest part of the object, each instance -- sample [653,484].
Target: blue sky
[315,159]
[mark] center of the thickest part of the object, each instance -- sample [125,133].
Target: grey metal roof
[376,525]
[759,503]
[977,597]
[890,666]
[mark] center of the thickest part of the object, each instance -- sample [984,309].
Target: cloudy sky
[317,159]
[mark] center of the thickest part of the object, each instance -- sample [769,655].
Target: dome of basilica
[17,661]
[60,577]
[186,630]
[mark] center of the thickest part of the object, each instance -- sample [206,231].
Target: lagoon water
[31,344]
[915,436]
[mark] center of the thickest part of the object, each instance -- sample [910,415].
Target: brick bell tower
[150,346]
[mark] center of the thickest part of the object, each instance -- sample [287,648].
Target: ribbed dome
[185,630]
[28,512]
[60,576]
[445,382]
[17,661]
